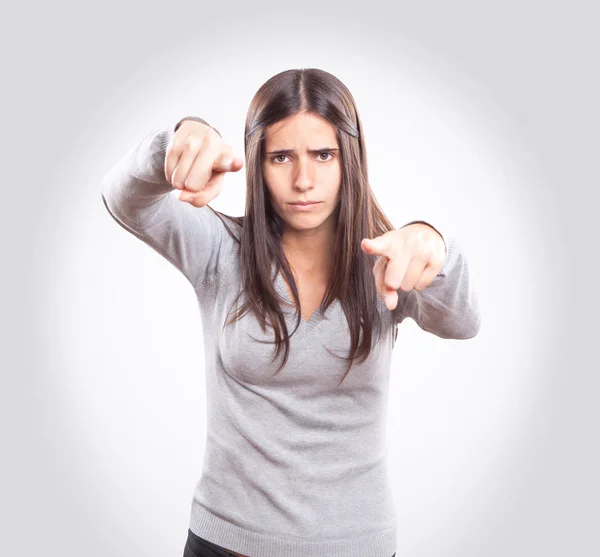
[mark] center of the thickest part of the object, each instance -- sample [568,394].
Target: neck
[309,251]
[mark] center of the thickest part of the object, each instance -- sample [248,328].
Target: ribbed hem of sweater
[221,532]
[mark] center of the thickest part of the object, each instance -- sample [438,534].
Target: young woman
[300,301]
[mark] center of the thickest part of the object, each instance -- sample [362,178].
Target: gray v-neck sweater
[295,465]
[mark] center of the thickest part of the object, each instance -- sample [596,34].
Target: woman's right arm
[140,197]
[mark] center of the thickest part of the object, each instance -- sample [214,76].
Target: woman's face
[302,163]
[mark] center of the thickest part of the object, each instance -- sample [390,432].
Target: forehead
[300,129]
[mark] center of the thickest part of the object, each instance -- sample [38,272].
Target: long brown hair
[358,213]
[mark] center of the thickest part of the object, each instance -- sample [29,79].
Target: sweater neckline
[305,326]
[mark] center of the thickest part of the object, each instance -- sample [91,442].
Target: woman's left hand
[410,257]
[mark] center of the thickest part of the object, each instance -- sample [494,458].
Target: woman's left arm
[425,276]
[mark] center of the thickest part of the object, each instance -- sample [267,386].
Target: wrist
[195,119]
[422,222]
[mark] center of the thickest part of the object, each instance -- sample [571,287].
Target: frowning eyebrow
[313,151]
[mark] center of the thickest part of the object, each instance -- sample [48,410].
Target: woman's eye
[277,158]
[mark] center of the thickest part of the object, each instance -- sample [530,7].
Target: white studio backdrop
[106,416]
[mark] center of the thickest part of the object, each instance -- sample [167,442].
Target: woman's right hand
[196,161]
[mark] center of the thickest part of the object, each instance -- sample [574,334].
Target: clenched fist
[196,161]
[410,257]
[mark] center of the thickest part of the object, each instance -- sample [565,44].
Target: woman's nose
[303,178]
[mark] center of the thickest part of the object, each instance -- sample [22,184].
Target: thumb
[375,246]
[369,245]
[229,164]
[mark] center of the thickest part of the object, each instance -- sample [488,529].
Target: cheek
[268,180]
[336,183]
[273,184]
[271,197]
[271,193]
[336,175]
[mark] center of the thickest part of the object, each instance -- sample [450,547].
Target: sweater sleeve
[138,196]
[449,306]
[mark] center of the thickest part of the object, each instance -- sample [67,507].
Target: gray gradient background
[482,119]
